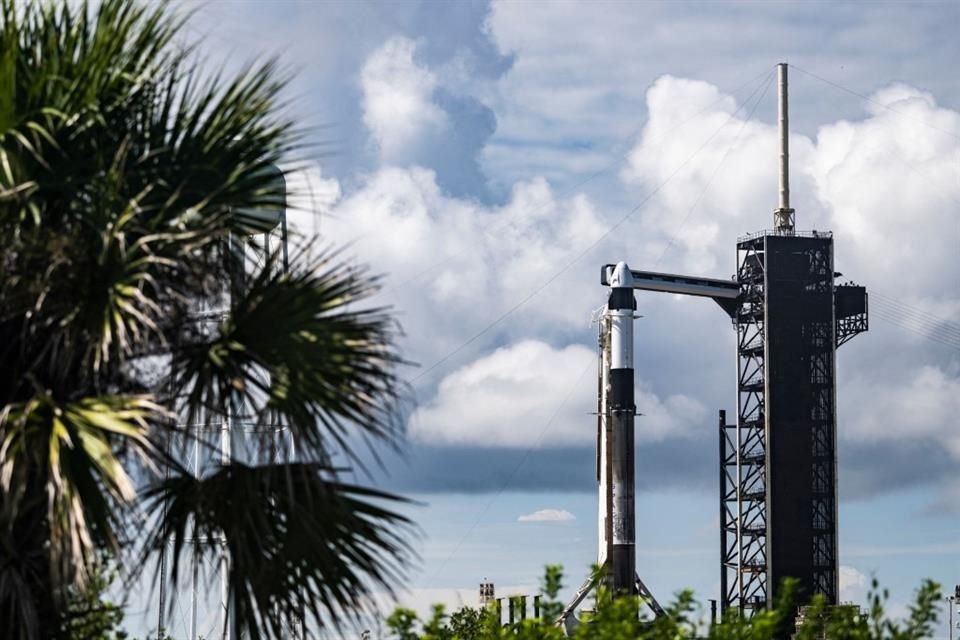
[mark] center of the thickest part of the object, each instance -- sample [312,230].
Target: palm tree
[125,172]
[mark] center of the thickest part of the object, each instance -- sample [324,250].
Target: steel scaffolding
[778,462]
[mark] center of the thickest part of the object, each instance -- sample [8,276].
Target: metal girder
[724,292]
[673,283]
[593,582]
[743,489]
[851,309]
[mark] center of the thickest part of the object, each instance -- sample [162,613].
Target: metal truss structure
[743,509]
[778,496]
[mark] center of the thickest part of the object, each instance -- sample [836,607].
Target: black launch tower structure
[778,461]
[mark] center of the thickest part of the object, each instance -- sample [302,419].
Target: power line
[716,170]
[910,321]
[930,320]
[503,316]
[576,383]
[620,151]
[903,321]
[872,101]
[894,321]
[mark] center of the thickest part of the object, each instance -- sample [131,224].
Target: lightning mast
[783,218]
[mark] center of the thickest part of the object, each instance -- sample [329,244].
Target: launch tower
[778,462]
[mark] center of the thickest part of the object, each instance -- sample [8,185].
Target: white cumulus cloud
[707,158]
[853,585]
[398,106]
[887,184]
[310,198]
[518,397]
[548,515]
[455,264]
[922,402]
[891,183]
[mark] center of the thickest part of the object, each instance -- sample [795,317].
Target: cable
[948,327]
[900,321]
[673,237]
[872,101]
[897,323]
[570,390]
[908,321]
[906,318]
[923,319]
[503,316]
[621,152]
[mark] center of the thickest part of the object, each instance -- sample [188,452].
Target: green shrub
[624,618]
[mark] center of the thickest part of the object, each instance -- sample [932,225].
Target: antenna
[783,216]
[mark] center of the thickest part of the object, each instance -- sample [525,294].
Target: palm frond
[127,176]
[73,448]
[300,542]
[301,352]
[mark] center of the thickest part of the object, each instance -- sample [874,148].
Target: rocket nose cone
[621,276]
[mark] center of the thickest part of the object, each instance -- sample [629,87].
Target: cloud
[414,118]
[510,398]
[924,403]
[521,396]
[580,71]
[894,174]
[549,95]
[887,184]
[455,264]
[684,463]
[870,467]
[398,106]
[546,103]
[548,515]
[911,411]
[703,157]
[891,183]
[853,585]
[310,198]
[478,280]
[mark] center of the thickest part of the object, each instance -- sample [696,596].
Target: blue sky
[490,156]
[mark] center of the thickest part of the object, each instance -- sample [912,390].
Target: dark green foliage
[619,618]
[127,178]
[91,614]
[466,622]
[301,531]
